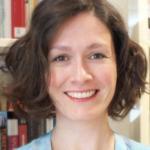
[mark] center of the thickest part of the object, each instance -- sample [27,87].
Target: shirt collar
[120,143]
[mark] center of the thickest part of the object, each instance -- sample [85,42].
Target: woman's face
[82,74]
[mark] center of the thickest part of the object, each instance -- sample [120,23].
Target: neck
[87,134]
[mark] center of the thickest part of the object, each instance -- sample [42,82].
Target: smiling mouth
[81,95]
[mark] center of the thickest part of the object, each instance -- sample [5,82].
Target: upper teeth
[85,94]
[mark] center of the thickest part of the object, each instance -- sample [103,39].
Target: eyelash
[64,58]
[97,56]
[60,58]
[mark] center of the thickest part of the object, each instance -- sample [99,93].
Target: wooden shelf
[5,42]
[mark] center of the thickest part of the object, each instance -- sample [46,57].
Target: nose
[81,73]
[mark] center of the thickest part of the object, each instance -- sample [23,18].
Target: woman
[78,61]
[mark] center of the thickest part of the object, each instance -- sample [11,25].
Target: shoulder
[41,143]
[125,143]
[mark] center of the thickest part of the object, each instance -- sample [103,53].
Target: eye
[97,56]
[61,58]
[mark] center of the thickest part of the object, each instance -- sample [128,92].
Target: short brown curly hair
[27,59]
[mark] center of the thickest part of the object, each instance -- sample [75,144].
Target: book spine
[12,132]
[18,18]
[3,130]
[22,132]
[4,138]
[7,18]
[36,128]
[1,18]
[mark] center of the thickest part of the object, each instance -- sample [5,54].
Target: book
[12,133]
[3,130]
[7,18]
[18,18]
[4,138]
[2,18]
[22,131]
[12,128]
[36,128]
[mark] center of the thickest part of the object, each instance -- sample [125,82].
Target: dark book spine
[36,128]
[3,130]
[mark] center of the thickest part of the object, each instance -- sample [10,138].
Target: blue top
[121,143]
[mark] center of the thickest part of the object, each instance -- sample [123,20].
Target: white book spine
[12,127]
[2,18]
[7,18]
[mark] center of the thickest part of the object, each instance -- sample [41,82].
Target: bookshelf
[17,131]
[5,42]
[15,16]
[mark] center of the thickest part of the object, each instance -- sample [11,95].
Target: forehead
[83,28]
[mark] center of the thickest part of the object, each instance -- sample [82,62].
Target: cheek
[108,75]
[53,80]
[56,79]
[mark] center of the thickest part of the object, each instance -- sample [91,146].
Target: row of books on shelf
[15,132]
[15,16]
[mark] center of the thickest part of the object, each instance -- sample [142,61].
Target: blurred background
[136,14]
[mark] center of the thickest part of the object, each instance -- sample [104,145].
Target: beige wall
[135,13]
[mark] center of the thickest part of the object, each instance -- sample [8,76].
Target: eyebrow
[92,46]
[97,45]
[60,47]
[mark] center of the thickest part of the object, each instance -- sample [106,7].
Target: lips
[80,95]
